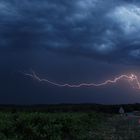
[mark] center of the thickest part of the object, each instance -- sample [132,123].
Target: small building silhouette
[121,111]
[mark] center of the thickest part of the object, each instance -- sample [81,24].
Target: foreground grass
[121,128]
[48,126]
[67,126]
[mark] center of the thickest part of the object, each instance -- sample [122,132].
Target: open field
[68,122]
[67,126]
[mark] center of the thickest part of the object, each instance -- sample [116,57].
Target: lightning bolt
[132,79]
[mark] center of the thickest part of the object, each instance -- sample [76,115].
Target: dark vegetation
[71,108]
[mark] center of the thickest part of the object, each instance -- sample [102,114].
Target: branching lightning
[132,79]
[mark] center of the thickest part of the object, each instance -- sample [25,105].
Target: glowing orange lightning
[132,79]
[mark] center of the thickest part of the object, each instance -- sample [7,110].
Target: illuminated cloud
[127,17]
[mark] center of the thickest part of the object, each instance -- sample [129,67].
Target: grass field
[67,126]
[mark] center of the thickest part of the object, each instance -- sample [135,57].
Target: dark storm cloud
[103,30]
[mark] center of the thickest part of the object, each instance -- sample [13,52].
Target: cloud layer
[103,30]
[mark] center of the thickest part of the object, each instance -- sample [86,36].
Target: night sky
[69,41]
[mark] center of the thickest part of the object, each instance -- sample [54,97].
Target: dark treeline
[70,108]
